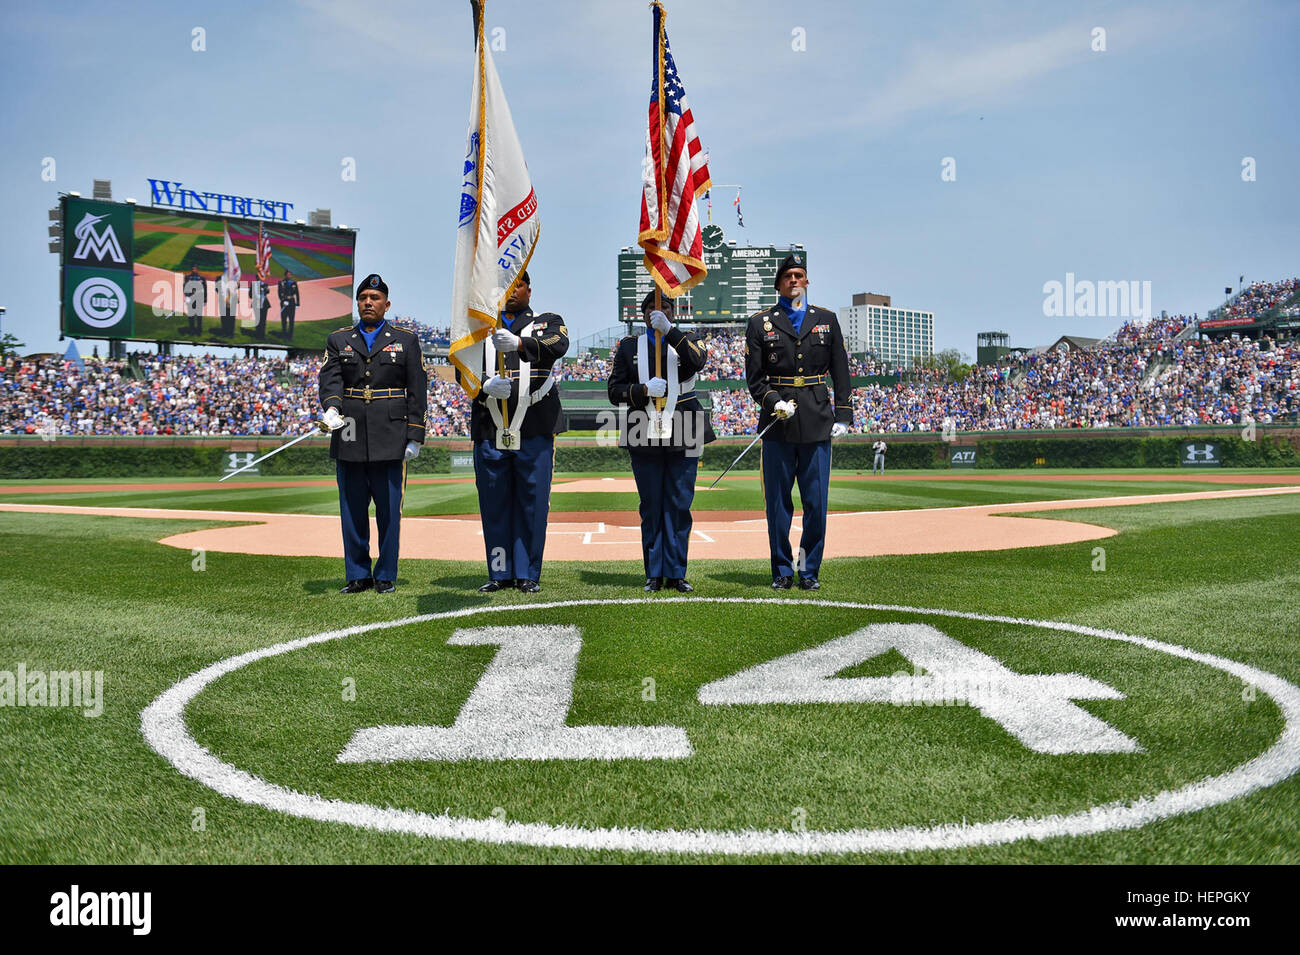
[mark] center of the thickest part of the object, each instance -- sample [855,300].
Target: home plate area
[587,536]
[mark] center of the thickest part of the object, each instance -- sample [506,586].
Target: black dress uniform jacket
[626,388]
[288,292]
[776,360]
[542,348]
[395,373]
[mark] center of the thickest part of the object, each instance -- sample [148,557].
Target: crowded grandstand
[1151,374]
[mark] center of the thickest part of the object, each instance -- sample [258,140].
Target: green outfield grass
[99,593]
[743,493]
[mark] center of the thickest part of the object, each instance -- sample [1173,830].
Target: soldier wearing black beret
[513,424]
[288,293]
[797,369]
[664,430]
[374,390]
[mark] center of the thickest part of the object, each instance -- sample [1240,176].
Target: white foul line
[164,729]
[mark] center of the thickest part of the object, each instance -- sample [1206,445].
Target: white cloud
[957,78]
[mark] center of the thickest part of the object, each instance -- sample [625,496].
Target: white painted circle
[163,726]
[89,302]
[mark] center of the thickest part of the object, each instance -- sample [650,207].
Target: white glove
[839,430]
[332,419]
[504,340]
[497,387]
[656,387]
[412,451]
[784,409]
[660,322]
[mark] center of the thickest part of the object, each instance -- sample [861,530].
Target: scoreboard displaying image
[739,282]
[165,275]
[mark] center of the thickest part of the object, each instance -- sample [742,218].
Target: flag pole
[476,11]
[659,403]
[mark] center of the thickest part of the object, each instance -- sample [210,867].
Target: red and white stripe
[263,253]
[675,172]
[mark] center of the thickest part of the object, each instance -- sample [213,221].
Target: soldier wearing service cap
[797,369]
[374,390]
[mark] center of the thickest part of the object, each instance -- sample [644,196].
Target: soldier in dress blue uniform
[261,290]
[288,293]
[790,351]
[514,445]
[664,443]
[374,390]
[196,297]
[227,305]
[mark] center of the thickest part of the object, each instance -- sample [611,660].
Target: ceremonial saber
[733,463]
[314,431]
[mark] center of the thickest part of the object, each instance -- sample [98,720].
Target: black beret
[795,260]
[666,305]
[372,281]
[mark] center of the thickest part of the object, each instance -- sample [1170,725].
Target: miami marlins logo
[469,187]
[90,240]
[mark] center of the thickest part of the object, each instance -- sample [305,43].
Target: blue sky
[1117,165]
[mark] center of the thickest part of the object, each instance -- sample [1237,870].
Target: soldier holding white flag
[516,412]
[513,424]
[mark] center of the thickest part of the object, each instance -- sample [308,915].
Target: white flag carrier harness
[508,438]
[661,422]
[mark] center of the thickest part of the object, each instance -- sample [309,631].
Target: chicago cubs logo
[99,303]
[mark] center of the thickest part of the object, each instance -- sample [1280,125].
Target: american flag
[263,254]
[675,172]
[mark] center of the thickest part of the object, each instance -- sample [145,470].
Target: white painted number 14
[519,707]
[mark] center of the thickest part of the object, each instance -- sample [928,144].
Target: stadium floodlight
[56,214]
[341,225]
[129,201]
[299,221]
[74,194]
[56,231]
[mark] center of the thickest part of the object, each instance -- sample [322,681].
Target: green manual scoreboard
[739,282]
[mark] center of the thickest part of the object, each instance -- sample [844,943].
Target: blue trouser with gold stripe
[783,463]
[361,482]
[666,483]
[514,498]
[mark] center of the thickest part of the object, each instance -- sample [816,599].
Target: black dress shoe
[653,584]
[529,586]
[809,583]
[356,586]
[492,586]
[680,584]
[385,586]
[782,583]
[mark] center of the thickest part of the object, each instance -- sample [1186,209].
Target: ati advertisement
[155,275]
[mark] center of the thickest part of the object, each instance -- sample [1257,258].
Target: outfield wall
[32,457]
